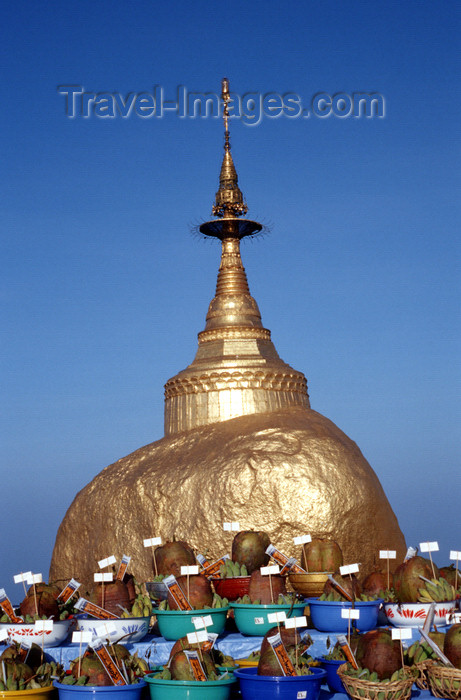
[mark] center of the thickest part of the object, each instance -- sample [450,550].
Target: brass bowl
[309,585]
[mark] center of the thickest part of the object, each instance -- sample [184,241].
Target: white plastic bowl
[414,614]
[132,629]
[23,630]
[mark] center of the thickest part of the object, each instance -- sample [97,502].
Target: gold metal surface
[241,443]
[236,370]
[287,472]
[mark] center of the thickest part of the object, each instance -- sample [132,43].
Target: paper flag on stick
[106,562]
[270,570]
[349,569]
[81,637]
[302,539]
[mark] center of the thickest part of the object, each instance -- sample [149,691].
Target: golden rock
[241,443]
[288,472]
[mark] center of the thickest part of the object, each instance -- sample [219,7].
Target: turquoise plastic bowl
[326,615]
[174,624]
[254,687]
[252,619]
[100,692]
[192,690]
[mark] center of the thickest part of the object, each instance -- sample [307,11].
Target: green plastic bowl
[174,624]
[192,690]
[252,619]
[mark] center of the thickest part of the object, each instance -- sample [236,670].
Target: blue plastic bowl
[254,687]
[334,681]
[100,692]
[174,624]
[252,619]
[326,614]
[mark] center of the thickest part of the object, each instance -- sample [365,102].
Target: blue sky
[104,288]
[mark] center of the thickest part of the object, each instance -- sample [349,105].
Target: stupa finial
[229,201]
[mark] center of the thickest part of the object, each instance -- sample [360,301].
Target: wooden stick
[456,575]
[432,564]
[388,582]
[35,598]
[155,560]
[401,652]
[272,592]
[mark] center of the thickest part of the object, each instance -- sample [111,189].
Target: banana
[243,570]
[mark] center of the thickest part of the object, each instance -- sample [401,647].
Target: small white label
[294,622]
[23,578]
[103,578]
[401,633]
[387,554]
[197,637]
[259,620]
[152,541]
[277,616]
[201,622]
[189,570]
[35,578]
[302,694]
[106,562]
[455,555]
[269,570]
[349,569]
[234,526]
[349,614]
[43,625]
[429,546]
[82,637]
[453,618]
[3,635]
[302,539]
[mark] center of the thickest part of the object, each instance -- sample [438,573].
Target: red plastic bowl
[232,588]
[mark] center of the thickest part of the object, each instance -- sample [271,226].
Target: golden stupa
[241,444]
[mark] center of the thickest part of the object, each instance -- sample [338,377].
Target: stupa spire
[236,370]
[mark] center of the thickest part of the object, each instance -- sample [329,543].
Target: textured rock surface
[287,472]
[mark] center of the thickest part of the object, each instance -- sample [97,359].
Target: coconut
[116,594]
[249,548]
[40,603]
[91,666]
[452,645]
[260,587]
[172,555]
[377,651]
[449,574]
[408,581]
[288,636]
[351,585]
[200,593]
[321,555]
[181,670]
[376,583]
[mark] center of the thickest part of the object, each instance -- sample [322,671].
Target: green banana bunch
[232,569]
[142,607]
[436,591]
[219,602]
[158,578]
